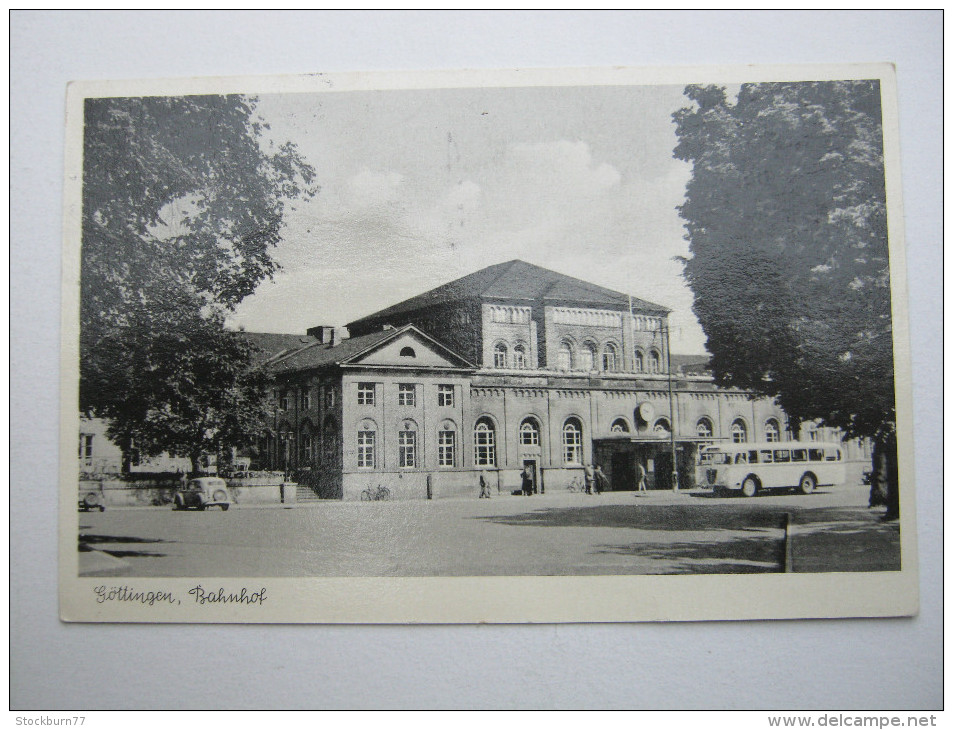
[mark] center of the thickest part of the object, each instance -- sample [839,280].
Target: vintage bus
[749,468]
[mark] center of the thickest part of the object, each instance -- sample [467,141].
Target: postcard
[536,345]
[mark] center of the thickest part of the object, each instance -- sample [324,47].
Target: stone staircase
[306,494]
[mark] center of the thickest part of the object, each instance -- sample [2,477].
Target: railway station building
[511,368]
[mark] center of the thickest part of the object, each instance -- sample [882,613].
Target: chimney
[322,333]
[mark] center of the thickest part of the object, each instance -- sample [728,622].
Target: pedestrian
[640,472]
[484,485]
[602,481]
[590,477]
[527,485]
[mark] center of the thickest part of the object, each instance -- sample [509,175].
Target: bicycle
[576,485]
[380,494]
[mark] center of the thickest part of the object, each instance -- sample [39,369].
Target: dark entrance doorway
[623,472]
[530,464]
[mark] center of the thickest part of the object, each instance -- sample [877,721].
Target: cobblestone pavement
[552,534]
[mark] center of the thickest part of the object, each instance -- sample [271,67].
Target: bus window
[741,458]
[832,454]
[782,455]
[799,455]
[752,457]
[816,454]
[766,457]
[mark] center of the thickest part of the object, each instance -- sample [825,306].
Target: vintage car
[92,499]
[203,493]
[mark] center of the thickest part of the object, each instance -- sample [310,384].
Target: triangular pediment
[409,347]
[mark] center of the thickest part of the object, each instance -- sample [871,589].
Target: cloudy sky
[419,187]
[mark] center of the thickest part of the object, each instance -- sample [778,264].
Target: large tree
[183,203]
[786,217]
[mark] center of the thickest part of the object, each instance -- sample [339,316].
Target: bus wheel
[749,487]
[808,484]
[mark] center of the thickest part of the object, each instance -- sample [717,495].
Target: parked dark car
[92,499]
[203,493]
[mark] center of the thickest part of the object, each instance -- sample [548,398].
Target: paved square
[554,534]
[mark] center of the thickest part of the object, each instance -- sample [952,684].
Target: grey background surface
[868,664]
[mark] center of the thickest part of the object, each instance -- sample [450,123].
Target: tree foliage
[786,217]
[183,204]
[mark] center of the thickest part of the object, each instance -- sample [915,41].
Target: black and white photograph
[489,325]
[467,360]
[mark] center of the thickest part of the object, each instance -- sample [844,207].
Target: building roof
[518,280]
[272,345]
[317,355]
[690,364]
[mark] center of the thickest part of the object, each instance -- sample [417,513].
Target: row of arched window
[739,430]
[705,429]
[519,360]
[588,357]
[484,440]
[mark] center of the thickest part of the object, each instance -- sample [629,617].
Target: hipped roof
[515,281]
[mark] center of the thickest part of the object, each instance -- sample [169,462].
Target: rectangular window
[284,402]
[446,448]
[407,448]
[86,446]
[306,400]
[816,454]
[782,456]
[406,394]
[445,395]
[329,397]
[365,394]
[752,457]
[767,457]
[799,455]
[365,449]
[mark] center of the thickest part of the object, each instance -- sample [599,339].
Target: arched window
[366,444]
[519,356]
[330,439]
[609,357]
[704,428]
[662,426]
[564,356]
[639,363]
[529,432]
[407,445]
[619,425]
[408,352]
[447,444]
[306,450]
[587,356]
[499,355]
[772,430]
[655,362]
[739,431]
[484,443]
[572,441]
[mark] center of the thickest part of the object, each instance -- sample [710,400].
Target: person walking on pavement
[590,477]
[601,483]
[484,485]
[640,473]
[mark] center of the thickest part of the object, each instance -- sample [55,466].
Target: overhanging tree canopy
[786,217]
[183,203]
